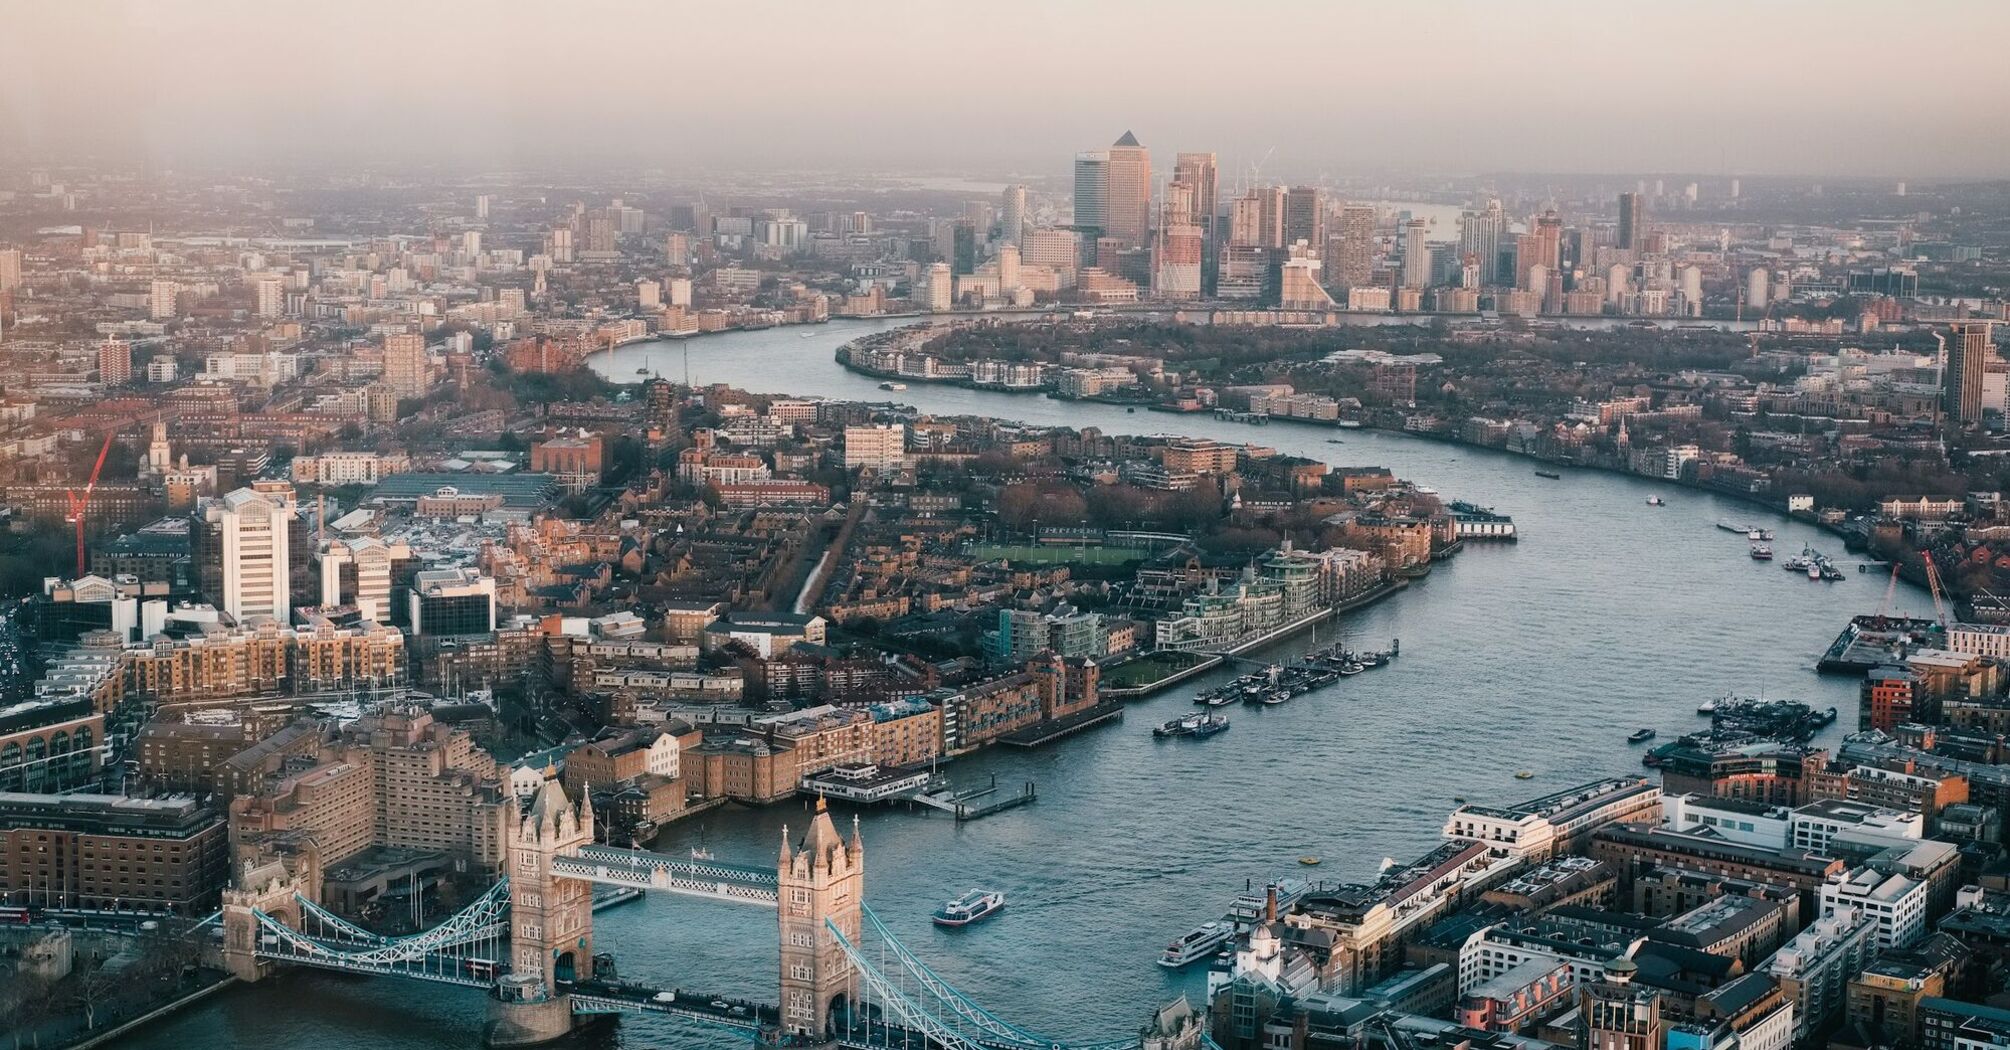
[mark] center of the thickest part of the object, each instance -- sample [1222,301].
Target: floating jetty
[977,803]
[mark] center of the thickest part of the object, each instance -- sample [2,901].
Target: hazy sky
[1824,87]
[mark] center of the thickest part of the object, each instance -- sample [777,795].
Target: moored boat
[1761,552]
[969,908]
[1209,726]
[1196,944]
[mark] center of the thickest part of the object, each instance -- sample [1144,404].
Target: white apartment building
[1894,904]
[1814,969]
[875,446]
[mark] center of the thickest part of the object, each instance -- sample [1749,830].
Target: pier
[1065,726]
[977,803]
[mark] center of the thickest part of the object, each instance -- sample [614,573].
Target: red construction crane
[1933,584]
[78,505]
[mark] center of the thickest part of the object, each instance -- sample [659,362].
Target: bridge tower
[551,922]
[822,878]
[261,886]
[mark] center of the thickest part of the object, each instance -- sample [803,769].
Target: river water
[1609,615]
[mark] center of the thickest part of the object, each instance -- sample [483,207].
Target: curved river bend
[1608,615]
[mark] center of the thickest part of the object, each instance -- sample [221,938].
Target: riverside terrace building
[1636,848]
[1368,924]
[1987,783]
[1561,822]
[50,744]
[106,851]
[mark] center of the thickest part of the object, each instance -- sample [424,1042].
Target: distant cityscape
[385,594]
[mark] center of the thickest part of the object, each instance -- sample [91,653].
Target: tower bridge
[844,981]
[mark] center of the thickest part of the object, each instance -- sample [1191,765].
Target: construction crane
[1933,584]
[79,505]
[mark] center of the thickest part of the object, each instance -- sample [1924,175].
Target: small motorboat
[1351,668]
[1526,774]
[1308,860]
[642,371]
[1640,736]
[1656,501]
[971,907]
[1550,474]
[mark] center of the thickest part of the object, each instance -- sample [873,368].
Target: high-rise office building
[1092,187]
[1968,353]
[1199,172]
[482,206]
[1304,216]
[1416,254]
[252,528]
[406,370]
[963,248]
[1127,202]
[1012,212]
[1480,237]
[10,269]
[1270,200]
[1632,221]
[1176,262]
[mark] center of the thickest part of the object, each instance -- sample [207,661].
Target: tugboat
[1761,552]
[1209,726]
[1640,736]
[971,907]
[1183,726]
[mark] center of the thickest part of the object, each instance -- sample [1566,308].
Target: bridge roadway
[594,997]
[654,871]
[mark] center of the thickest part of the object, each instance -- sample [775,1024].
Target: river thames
[1609,615]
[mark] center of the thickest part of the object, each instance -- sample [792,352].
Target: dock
[1047,732]
[977,803]
[1872,641]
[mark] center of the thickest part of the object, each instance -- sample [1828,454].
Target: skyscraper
[1480,237]
[1351,250]
[963,248]
[1176,262]
[1416,254]
[1632,221]
[1968,354]
[10,269]
[1199,172]
[1304,216]
[1012,221]
[1127,201]
[1271,200]
[1092,190]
